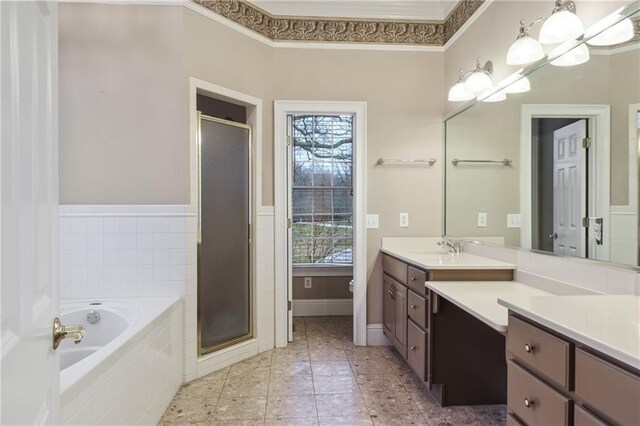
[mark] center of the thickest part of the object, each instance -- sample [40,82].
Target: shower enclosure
[225,299]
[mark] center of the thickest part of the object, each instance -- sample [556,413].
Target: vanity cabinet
[555,380]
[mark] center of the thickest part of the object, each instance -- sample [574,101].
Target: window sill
[323,271]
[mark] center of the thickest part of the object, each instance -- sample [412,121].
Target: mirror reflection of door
[560,185]
[569,184]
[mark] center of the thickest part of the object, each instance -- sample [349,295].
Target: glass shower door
[224,239]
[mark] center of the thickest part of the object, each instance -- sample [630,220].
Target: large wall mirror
[553,169]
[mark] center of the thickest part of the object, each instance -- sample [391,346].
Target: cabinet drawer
[539,350]
[608,389]
[418,307]
[394,267]
[417,349]
[533,401]
[582,417]
[416,279]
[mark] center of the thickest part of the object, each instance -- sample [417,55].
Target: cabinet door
[388,309]
[400,336]
[417,349]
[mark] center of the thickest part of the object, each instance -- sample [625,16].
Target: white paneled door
[29,198]
[569,188]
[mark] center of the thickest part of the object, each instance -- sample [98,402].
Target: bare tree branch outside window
[322,189]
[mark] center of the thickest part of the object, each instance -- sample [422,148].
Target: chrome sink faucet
[454,246]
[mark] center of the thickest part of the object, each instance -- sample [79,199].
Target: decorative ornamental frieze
[459,15]
[288,28]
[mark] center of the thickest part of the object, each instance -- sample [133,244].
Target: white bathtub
[132,353]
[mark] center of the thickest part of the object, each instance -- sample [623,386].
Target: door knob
[60,332]
[554,236]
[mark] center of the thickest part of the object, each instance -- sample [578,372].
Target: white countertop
[440,259]
[607,323]
[480,298]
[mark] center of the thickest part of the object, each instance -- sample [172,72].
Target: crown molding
[351,31]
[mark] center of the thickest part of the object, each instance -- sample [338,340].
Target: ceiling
[429,10]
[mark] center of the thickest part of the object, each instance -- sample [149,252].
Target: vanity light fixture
[563,24]
[496,97]
[525,49]
[459,93]
[516,83]
[609,34]
[479,81]
[576,56]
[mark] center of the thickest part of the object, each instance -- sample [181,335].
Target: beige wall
[122,127]
[403,91]
[322,288]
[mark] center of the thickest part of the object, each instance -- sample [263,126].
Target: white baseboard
[317,307]
[375,336]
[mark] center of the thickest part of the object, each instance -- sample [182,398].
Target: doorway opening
[319,208]
[565,177]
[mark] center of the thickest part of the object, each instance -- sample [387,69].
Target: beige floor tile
[462,416]
[331,368]
[255,422]
[302,421]
[290,354]
[245,387]
[361,420]
[385,403]
[291,385]
[491,414]
[341,405]
[285,407]
[327,355]
[335,384]
[325,343]
[380,383]
[399,419]
[189,409]
[240,408]
[291,368]
[220,375]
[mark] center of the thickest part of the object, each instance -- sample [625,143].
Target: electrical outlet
[482,220]
[307,282]
[404,220]
[373,221]
[513,221]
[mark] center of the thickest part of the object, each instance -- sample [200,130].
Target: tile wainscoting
[116,251]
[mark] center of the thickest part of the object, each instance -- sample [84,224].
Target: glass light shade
[478,82]
[576,56]
[616,34]
[496,97]
[458,93]
[560,27]
[519,86]
[524,51]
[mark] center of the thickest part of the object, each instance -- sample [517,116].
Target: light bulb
[458,93]
[478,82]
[616,34]
[576,56]
[561,26]
[524,51]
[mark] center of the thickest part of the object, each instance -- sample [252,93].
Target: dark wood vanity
[458,357]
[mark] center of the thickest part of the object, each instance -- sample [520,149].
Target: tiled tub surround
[150,251]
[320,378]
[126,251]
[139,375]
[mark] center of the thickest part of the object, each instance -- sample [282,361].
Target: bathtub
[129,363]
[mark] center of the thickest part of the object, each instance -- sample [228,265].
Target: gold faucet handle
[61,332]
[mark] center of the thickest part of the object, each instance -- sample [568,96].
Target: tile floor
[319,379]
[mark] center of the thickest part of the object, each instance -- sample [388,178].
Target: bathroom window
[322,191]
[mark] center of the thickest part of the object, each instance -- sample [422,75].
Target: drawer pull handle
[528,348]
[528,403]
[413,278]
[413,307]
[414,348]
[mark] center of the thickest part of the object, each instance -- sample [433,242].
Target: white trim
[321,307]
[224,357]
[281,109]
[375,336]
[599,164]
[322,271]
[632,205]
[467,24]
